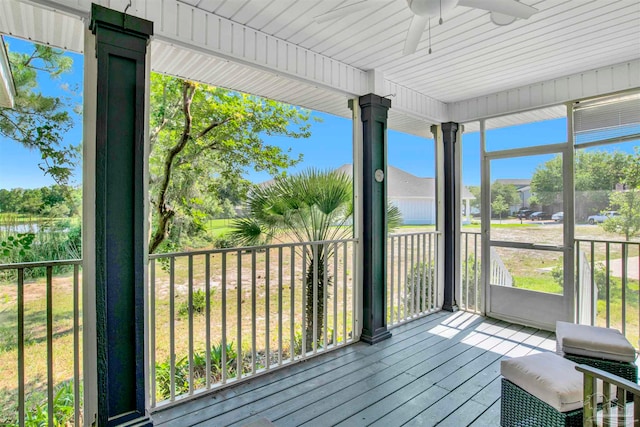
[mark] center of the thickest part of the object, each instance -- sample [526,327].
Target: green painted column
[121,49]
[374,216]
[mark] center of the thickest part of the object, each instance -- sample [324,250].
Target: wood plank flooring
[439,370]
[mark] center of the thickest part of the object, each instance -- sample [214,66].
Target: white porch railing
[412,265]
[470,292]
[41,338]
[221,316]
[608,285]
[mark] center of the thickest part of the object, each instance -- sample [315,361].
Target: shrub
[199,303]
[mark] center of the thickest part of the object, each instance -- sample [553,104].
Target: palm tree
[311,206]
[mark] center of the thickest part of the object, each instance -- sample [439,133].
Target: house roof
[518,182]
[402,184]
[7,89]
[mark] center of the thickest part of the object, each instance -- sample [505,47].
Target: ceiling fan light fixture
[502,19]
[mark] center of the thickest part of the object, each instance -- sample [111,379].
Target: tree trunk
[309,323]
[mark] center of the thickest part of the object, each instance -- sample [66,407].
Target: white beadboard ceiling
[275,48]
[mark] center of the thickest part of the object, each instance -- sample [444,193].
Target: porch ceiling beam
[180,24]
[600,81]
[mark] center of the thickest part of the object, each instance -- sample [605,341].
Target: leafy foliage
[626,201]
[38,121]
[202,140]
[596,176]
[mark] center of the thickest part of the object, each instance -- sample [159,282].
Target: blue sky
[329,146]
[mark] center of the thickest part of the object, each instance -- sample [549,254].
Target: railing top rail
[616,242]
[414,233]
[471,232]
[40,264]
[247,248]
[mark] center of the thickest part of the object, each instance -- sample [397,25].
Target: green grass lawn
[218,227]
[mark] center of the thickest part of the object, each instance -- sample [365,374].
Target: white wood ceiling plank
[209,5]
[492,40]
[524,54]
[229,8]
[540,59]
[265,13]
[579,59]
[300,15]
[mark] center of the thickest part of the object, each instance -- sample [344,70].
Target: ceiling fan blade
[418,24]
[342,11]
[506,7]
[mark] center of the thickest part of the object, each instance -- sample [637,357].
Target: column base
[375,338]
[452,308]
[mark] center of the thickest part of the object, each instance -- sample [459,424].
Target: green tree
[596,176]
[626,201]
[507,192]
[37,121]
[202,140]
[311,206]
[499,206]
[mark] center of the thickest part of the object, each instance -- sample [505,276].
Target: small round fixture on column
[379,175]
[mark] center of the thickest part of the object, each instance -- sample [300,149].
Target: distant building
[414,196]
[523,186]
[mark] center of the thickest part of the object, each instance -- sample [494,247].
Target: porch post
[119,211]
[451,214]
[374,216]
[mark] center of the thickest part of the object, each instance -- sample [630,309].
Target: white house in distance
[414,196]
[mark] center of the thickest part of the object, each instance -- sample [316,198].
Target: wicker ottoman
[602,348]
[543,390]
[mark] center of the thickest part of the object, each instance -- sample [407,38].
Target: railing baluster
[21,379]
[335,294]
[325,279]
[344,295]
[355,331]
[304,301]
[190,284]
[314,320]
[621,394]
[152,329]
[593,285]
[239,315]
[476,300]
[607,288]
[430,278]
[76,344]
[254,318]
[399,310]
[292,329]
[50,344]
[412,276]
[392,275]
[207,289]
[423,282]
[624,288]
[466,269]
[172,332]
[223,315]
[267,308]
[280,306]
[405,282]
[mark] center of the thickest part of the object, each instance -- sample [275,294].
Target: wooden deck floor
[442,369]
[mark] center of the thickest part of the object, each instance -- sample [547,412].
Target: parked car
[538,216]
[558,216]
[593,219]
[524,213]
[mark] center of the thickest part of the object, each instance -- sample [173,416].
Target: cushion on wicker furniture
[593,341]
[548,377]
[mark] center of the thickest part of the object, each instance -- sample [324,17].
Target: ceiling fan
[503,12]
